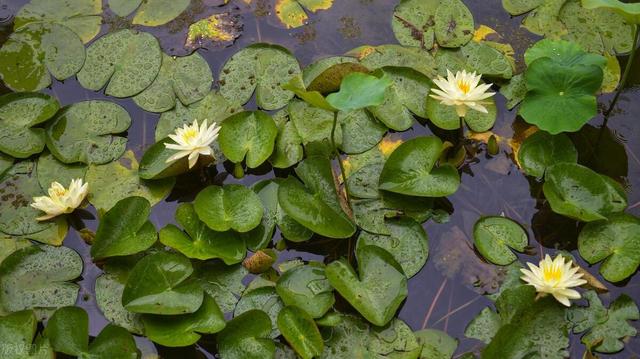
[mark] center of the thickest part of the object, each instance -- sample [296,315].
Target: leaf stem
[337,154]
[625,75]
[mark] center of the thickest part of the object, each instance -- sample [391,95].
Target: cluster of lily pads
[183,281]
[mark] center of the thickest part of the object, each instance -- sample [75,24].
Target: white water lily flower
[61,200]
[462,91]
[193,141]
[555,277]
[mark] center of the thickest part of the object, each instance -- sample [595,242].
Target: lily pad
[250,134]
[259,68]
[379,289]
[109,288]
[542,150]
[229,207]
[630,11]
[17,332]
[124,229]
[396,339]
[186,329]
[349,338]
[410,170]
[446,118]
[306,287]
[123,8]
[19,113]
[84,17]
[376,57]
[216,31]
[580,193]
[117,180]
[315,205]
[154,164]
[358,91]
[407,243]
[288,149]
[199,241]
[87,132]
[436,344]
[222,282]
[39,277]
[186,79]
[158,12]
[495,236]
[616,242]
[68,332]
[35,52]
[247,337]
[51,170]
[126,61]
[160,284]
[264,299]
[291,12]
[301,332]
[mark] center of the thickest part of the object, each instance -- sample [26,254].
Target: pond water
[491,185]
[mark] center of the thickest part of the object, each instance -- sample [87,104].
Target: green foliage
[495,236]
[300,331]
[542,150]
[358,91]
[17,332]
[248,134]
[307,288]
[149,12]
[229,207]
[436,344]
[247,337]
[631,12]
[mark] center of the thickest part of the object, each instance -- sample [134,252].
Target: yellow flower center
[60,192]
[189,135]
[464,86]
[552,273]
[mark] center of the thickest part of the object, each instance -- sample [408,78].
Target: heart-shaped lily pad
[187,79]
[39,277]
[229,207]
[359,90]
[19,113]
[542,150]
[222,282]
[379,289]
[85,132]
[150,12]
[494,236]
[186,329]
[199,241]
[616,242]
[160,284]
[580,193]
[126,61]
[247,337]
[306,287]
[250,134]
[411,170]
[262,68]
[17,332]
[407,243]
[37,49]
[301,332]
[288,149]
[124,230]
[68,332]
[315,205]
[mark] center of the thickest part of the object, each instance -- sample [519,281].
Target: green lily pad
[19,113]
[420,23]
[159,284]
[262,68]
[376,57]
[312,97]
[51,170]
[379,289]
[315,205]
[109,288]
[436,344]
[87,132]
[605,330]
[84,17]
[39,277]
[264,299]
[213,107]
[358,91]
[630,11]
[315,76]
[407,243]
[410,170]
[580,193]
[199,241]
[117,180]
[514,91]
[158,12]
[616,242]
[542,150]
[396,339]
[495,236]
[306,287]
[562,52]
[123,8]
[186,329]
[288,149]
[9,245]
[348,338]
[446,118]
[17,332]
[126,61]
[291,12]
[229,207]
[370,214]
[247,337]
[17,218]
[124,229]
[186,79]
[251,134]
[222,282]
[6,162]
[484,326]
[154,165]
[301,332]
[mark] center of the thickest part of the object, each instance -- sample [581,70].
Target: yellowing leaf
[482,32]
[216,28]
[388,145]
[291,12]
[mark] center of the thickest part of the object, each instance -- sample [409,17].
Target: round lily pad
[495,236]
[249,134]
[187,79]
[542,150]
[229,207]
[306,287]
[19,114]
[159,12]
[126,61]
[262,68]
[86,132]
[453,24]
[410,170]
[616,242]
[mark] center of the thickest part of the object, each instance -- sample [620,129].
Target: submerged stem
[337,153]
[625,75]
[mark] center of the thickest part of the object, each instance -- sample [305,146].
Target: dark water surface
[490,185]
